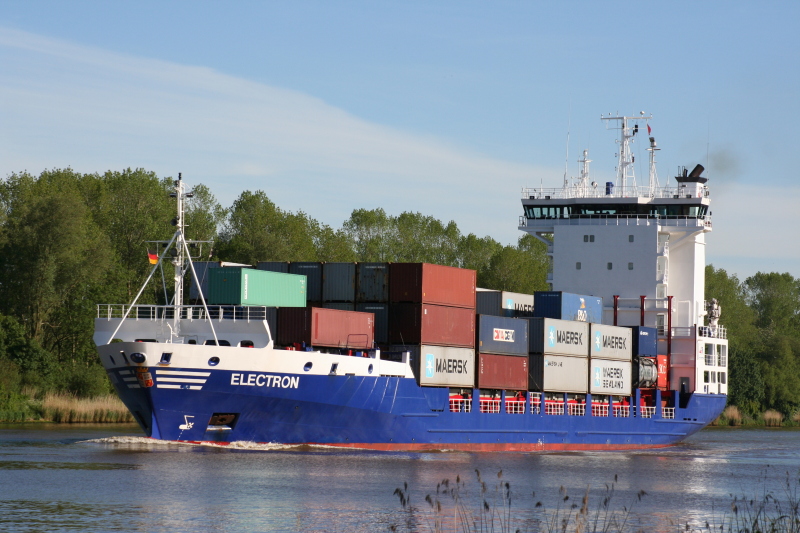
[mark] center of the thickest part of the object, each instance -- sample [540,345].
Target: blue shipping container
[274,266]
[645,341]
[313,274]
[502,336]
[567,306]
[381,312]
[339,282]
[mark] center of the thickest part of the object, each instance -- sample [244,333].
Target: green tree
[519,269]
[371,233]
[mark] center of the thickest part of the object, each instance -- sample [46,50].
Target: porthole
[369,369]
[214,361]
[308,366]
[138,358]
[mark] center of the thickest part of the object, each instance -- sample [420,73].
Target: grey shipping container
[381,312]
[611,342]
[503,303]
[372,282]
[274,266]
[441,366]
[559,337]
[502,336]
[568,306]
[313,274]
[339,282]
[610,377]
[341,306]
[558,373]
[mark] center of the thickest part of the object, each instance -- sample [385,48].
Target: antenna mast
[626,158]
[653,174]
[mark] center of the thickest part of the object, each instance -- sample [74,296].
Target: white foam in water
[236,445]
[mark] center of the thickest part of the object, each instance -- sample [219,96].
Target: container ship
[622,353]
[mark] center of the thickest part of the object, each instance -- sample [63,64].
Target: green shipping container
[248,286]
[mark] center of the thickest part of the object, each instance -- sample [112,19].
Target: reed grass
[773,418]
[731,416]
[66,408]
[455,507]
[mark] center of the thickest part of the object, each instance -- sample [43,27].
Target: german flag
[152,256]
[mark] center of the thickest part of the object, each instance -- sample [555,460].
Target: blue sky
[447,108]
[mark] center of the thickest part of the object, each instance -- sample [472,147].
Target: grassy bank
[733,416]
[62,408]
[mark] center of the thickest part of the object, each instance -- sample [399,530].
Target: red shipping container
[663,371]
[331,328]
[502,372]
[431,324]
[431,284]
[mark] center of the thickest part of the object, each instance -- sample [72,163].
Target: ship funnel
[696,171]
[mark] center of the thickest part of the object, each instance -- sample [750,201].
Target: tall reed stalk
[60,407]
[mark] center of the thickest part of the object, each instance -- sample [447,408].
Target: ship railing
[552,408]
[683,331]
[490,405]
[715,332]
[599,409]
[536,405]
[646,411]
[622,411]
[515,406]
[186,312]
[630,191]
[668,412]
[680,221]
[460,405]
[576,409]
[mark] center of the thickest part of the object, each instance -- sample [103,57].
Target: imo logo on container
[552,336]
[429,365]
[509,304]
[597,376]
[598,341]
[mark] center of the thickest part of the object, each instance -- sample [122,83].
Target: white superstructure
[642,249]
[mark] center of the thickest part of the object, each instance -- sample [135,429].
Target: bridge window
[630,238]
[630,266]
[578,265]
[610,266]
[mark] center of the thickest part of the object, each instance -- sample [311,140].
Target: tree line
[69,241]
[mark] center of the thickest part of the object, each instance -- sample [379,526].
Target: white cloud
[93,110]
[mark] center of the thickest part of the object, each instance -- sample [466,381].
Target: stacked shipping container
[559,355]
[432,315]
[610,360]
[372,296]
[502,348]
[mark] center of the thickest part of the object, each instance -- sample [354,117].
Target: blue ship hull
[386,413]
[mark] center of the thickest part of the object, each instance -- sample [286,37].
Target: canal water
[109,478]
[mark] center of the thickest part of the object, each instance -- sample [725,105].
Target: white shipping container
[558,337]
[441,366]
[610,377]
[611,342]
[503,303]
[558,373]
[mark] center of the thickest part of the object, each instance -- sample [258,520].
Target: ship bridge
[640,248]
